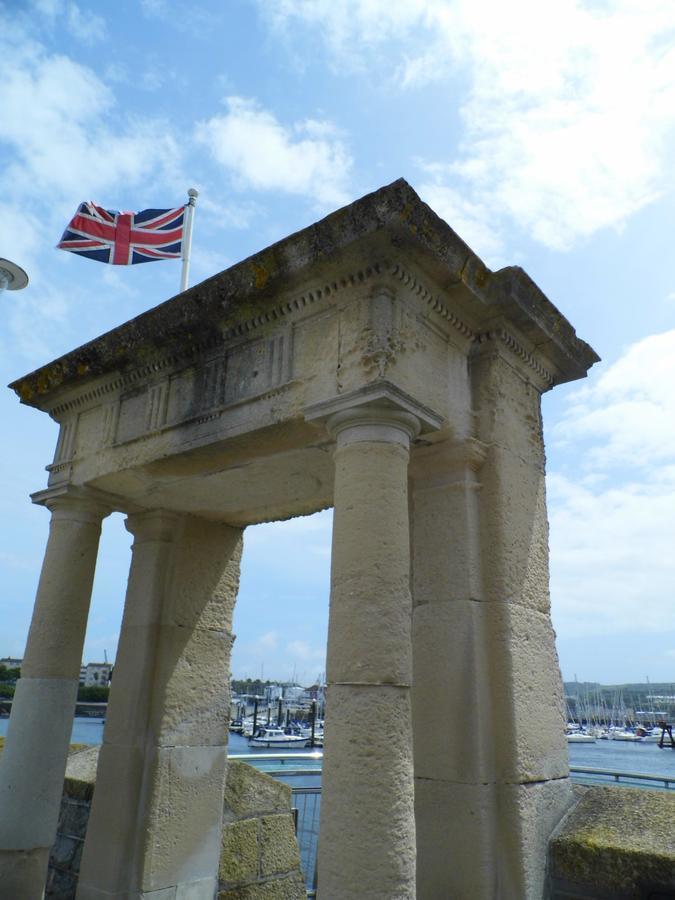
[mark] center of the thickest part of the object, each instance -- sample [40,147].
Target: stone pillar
[527,720]
[455,799]
[33,764]
[490,752]
[156,818]
[367,842]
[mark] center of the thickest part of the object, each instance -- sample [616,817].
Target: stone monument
[372,363]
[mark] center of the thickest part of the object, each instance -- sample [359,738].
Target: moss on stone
[278,845]
[249,792]
[617,839]
[290,888]
[239,854]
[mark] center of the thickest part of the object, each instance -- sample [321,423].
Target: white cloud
[629,410]
[612,565]
[75,142]
[308,158]
[568,108]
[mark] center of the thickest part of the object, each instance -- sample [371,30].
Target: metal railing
[307,798]
[628,779]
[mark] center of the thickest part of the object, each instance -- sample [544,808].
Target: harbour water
[623,756]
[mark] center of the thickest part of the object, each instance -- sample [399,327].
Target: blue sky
[544,134]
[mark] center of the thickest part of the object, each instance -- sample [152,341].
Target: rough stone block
[74,818]
[290,888]
[206,576]
[528,814]
[81,771]
[509,408]
[367,777]
[132,691]
[191,703]
[118,799]
[240,853]
[204,889]
[359,650]
[184,816]
[37,742]
[249,792]
[617,842]
[452,727]
[279,846]
[61,885]
[23,873]
[527,714]
[445,543]
[65,850]
[455,840]
[514,531]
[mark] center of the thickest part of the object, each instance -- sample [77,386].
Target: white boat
[277,738]
[577,737]
[621,735]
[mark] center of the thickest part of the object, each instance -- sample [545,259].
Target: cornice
[288,308]
[432,300]
[277,313]
[506,338]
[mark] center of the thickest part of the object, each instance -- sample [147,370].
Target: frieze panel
[132,416]
[243,372]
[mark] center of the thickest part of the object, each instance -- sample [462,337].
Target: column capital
[376,412]
[76,503]
[153,525]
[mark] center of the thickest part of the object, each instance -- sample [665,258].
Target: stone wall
[616,844]
[260,859]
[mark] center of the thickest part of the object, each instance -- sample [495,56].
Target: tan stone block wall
[260,858]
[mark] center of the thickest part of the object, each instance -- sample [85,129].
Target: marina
[631,757]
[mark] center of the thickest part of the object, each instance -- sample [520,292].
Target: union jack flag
[124,238]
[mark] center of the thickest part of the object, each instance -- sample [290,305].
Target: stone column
[367,843]
[454,742]
[33,763]
[531,766]
[156,819]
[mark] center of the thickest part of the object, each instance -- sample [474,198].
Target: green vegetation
[9,675]
[93,694]
[7,690]
[249,686]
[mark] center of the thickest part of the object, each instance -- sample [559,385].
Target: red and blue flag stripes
[124,238]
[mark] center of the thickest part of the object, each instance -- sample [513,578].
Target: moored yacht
[278,739]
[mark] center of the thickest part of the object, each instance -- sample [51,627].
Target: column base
[23,874]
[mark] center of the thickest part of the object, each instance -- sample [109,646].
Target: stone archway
[373,363]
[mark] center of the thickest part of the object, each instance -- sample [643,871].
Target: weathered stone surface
[240,853]
[250,795]
[616,842]
[184,815]
[206,411]
[454,737]
[456,827]
[525,688]
[515,531]
[290,888]
[278,845]
[81,770]
[368,787]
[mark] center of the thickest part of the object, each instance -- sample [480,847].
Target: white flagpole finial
[193,193]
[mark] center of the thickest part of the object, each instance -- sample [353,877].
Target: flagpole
[187,239]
